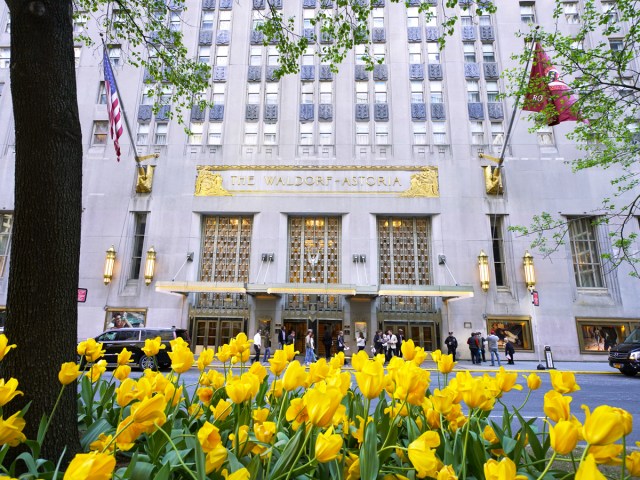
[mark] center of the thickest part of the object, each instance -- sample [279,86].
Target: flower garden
[398,422]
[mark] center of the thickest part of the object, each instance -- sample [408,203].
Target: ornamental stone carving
[435,71]
[432,34]
[325,112]
[308,73]
[271,113]
[208,4]
[361,73]
[270,75]
[379,35]
[205,37]
[424,184]
[254,73]
[413,3]
[378,3]
[476,111]
[380,73]
[437,111]
[418,111]
[144,112]
[306,112]
[277,4]
[495,111]
[326,37]
[309,34]
[257,37]
[381,112]
[147,78]
[209,183]
[216,114]
[416,71]
[471,70]
[258,4]
[226,4]
[164,112]
[326,3]
[252,112]
[308,3]
[414,34]
[491,71]
[223,37]
[219,74]
[468,33]
[362,112]
[487,33]
[326,75]
[197,113]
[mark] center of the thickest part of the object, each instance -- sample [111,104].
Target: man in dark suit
[282,337]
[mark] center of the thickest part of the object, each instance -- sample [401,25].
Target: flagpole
[141,170]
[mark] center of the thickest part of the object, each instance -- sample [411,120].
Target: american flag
[113,104]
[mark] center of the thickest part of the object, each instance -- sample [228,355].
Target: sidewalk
[531,366]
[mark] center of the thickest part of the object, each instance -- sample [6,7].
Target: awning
[185,288]
[444,291]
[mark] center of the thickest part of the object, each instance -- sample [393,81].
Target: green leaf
[288,456]
[200,461]
[369,462]
[163,473]
[94,431]
[142,470]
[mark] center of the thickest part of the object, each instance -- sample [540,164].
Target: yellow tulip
[475,395]
[124,357]
[328,446]
[337,361]
[489,435]
[150,412]
[241,443]
[127,433]
[126,392]
[507,381]
[632,463]
[563,382]
[215,458]
[505,469]
[371,379]
[104,443]
[91,349]
[556,406]
[242,342]
[205,394]
[607,454]
[242,356]
[297,411]
[318,371]
[420,356]
[122,372]
[11,430]
[9,390]
[258,370]
[446,364]
[278,362]
[181,359]
[96,370]
[563,437]
[173,394]
[5,347]
[604,426]
[422,454]
[447,473]
[294,376]
[205,358]
[533,381]
[213,379]
[408,349]
[209,437]
[152,346]
[241,389]
[322,403]
[359,360]
[224,353]
[260,415]
[443,400]
[91,466]
[178,343]
[242,474]
[588,470]
[264,433]
[221,410]
[436,355]
[358,434]
[352,466]
[290,351]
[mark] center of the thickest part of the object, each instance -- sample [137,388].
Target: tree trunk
[45,251]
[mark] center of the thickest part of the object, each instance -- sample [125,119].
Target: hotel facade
[354,201]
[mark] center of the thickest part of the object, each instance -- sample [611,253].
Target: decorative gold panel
[424,184]
[209,183]
[145,179]
[493,180]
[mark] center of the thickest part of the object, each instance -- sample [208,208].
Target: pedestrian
[291,338]
[509,350]
[309,349]
[451,344]
[327,341]
[473,347]
[257,344]
[282,337]
[492,344]
[377,342]
[361,342]
[390,342]
[267,350]
[400,341]
[482,345]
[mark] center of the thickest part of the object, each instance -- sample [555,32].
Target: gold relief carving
[145,179]
[328,168]
[209,184]
[493,180]
[424,184]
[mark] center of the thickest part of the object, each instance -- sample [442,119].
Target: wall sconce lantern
[109,262]
[149,266]
[483,267]
[529,271]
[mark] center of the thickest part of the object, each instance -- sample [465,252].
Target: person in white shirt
[309,347]
[361,342]
[390,344]
[257,344]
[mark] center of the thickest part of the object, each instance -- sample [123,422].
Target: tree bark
[45,251]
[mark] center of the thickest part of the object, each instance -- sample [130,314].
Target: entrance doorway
[300,327]
[422,334]
[331,326]
[213,332]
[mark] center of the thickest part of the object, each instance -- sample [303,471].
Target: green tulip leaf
[369,461]
[289,454]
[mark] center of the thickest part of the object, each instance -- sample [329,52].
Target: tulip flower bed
[318,423]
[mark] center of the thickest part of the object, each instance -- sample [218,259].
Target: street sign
[82,295]
[535,298]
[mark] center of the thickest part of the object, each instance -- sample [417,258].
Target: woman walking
[309,349]
[361,342]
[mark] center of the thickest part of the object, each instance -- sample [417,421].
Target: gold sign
[217,180]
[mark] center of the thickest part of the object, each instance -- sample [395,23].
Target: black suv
[115,340]
[626,355]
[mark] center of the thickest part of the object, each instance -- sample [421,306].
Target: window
[570,10]
[140,225]
[473,92]
[587,264]
[379,51]
[204,54]
[79,22]
[250,134]
[102,94]
[255,56]
[431,17]
[100,129]
[161,133]
[217,93]
[253,93]
[465,18]
[527,12]
[307,18]
[115,52]
[469,53]
[306,134]
[545,135]
[413,17]
[439,133]
[308,56]
[378,17]
[175,23]
[609,9]
[165,94]
[417,95]
[269,132]
[257,19]
[477,133]
[497,133]
[436,91]
[485,20]
[433,52]
[222,56]
[306,92]
[415,53]
[273,58]
[215,134]
[497,242]
[419,133]
[326,92]
[195,138]
[382,133]
[492,91]
[224,20]
[360,51]
[5,57]
[206,23]
[362,92]
[380,92]
[142,136]
[362,134]
[76,55]
[488,54]
[6,222]
[325,134]
[271,94]
[615,45]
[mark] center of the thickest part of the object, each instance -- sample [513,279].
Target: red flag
[546,86]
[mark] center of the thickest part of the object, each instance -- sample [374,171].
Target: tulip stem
[188,470]
[624,456]
[551,460]
[306,439]
[464,447]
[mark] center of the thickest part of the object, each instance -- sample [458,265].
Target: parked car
[115,340]
[626,355]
